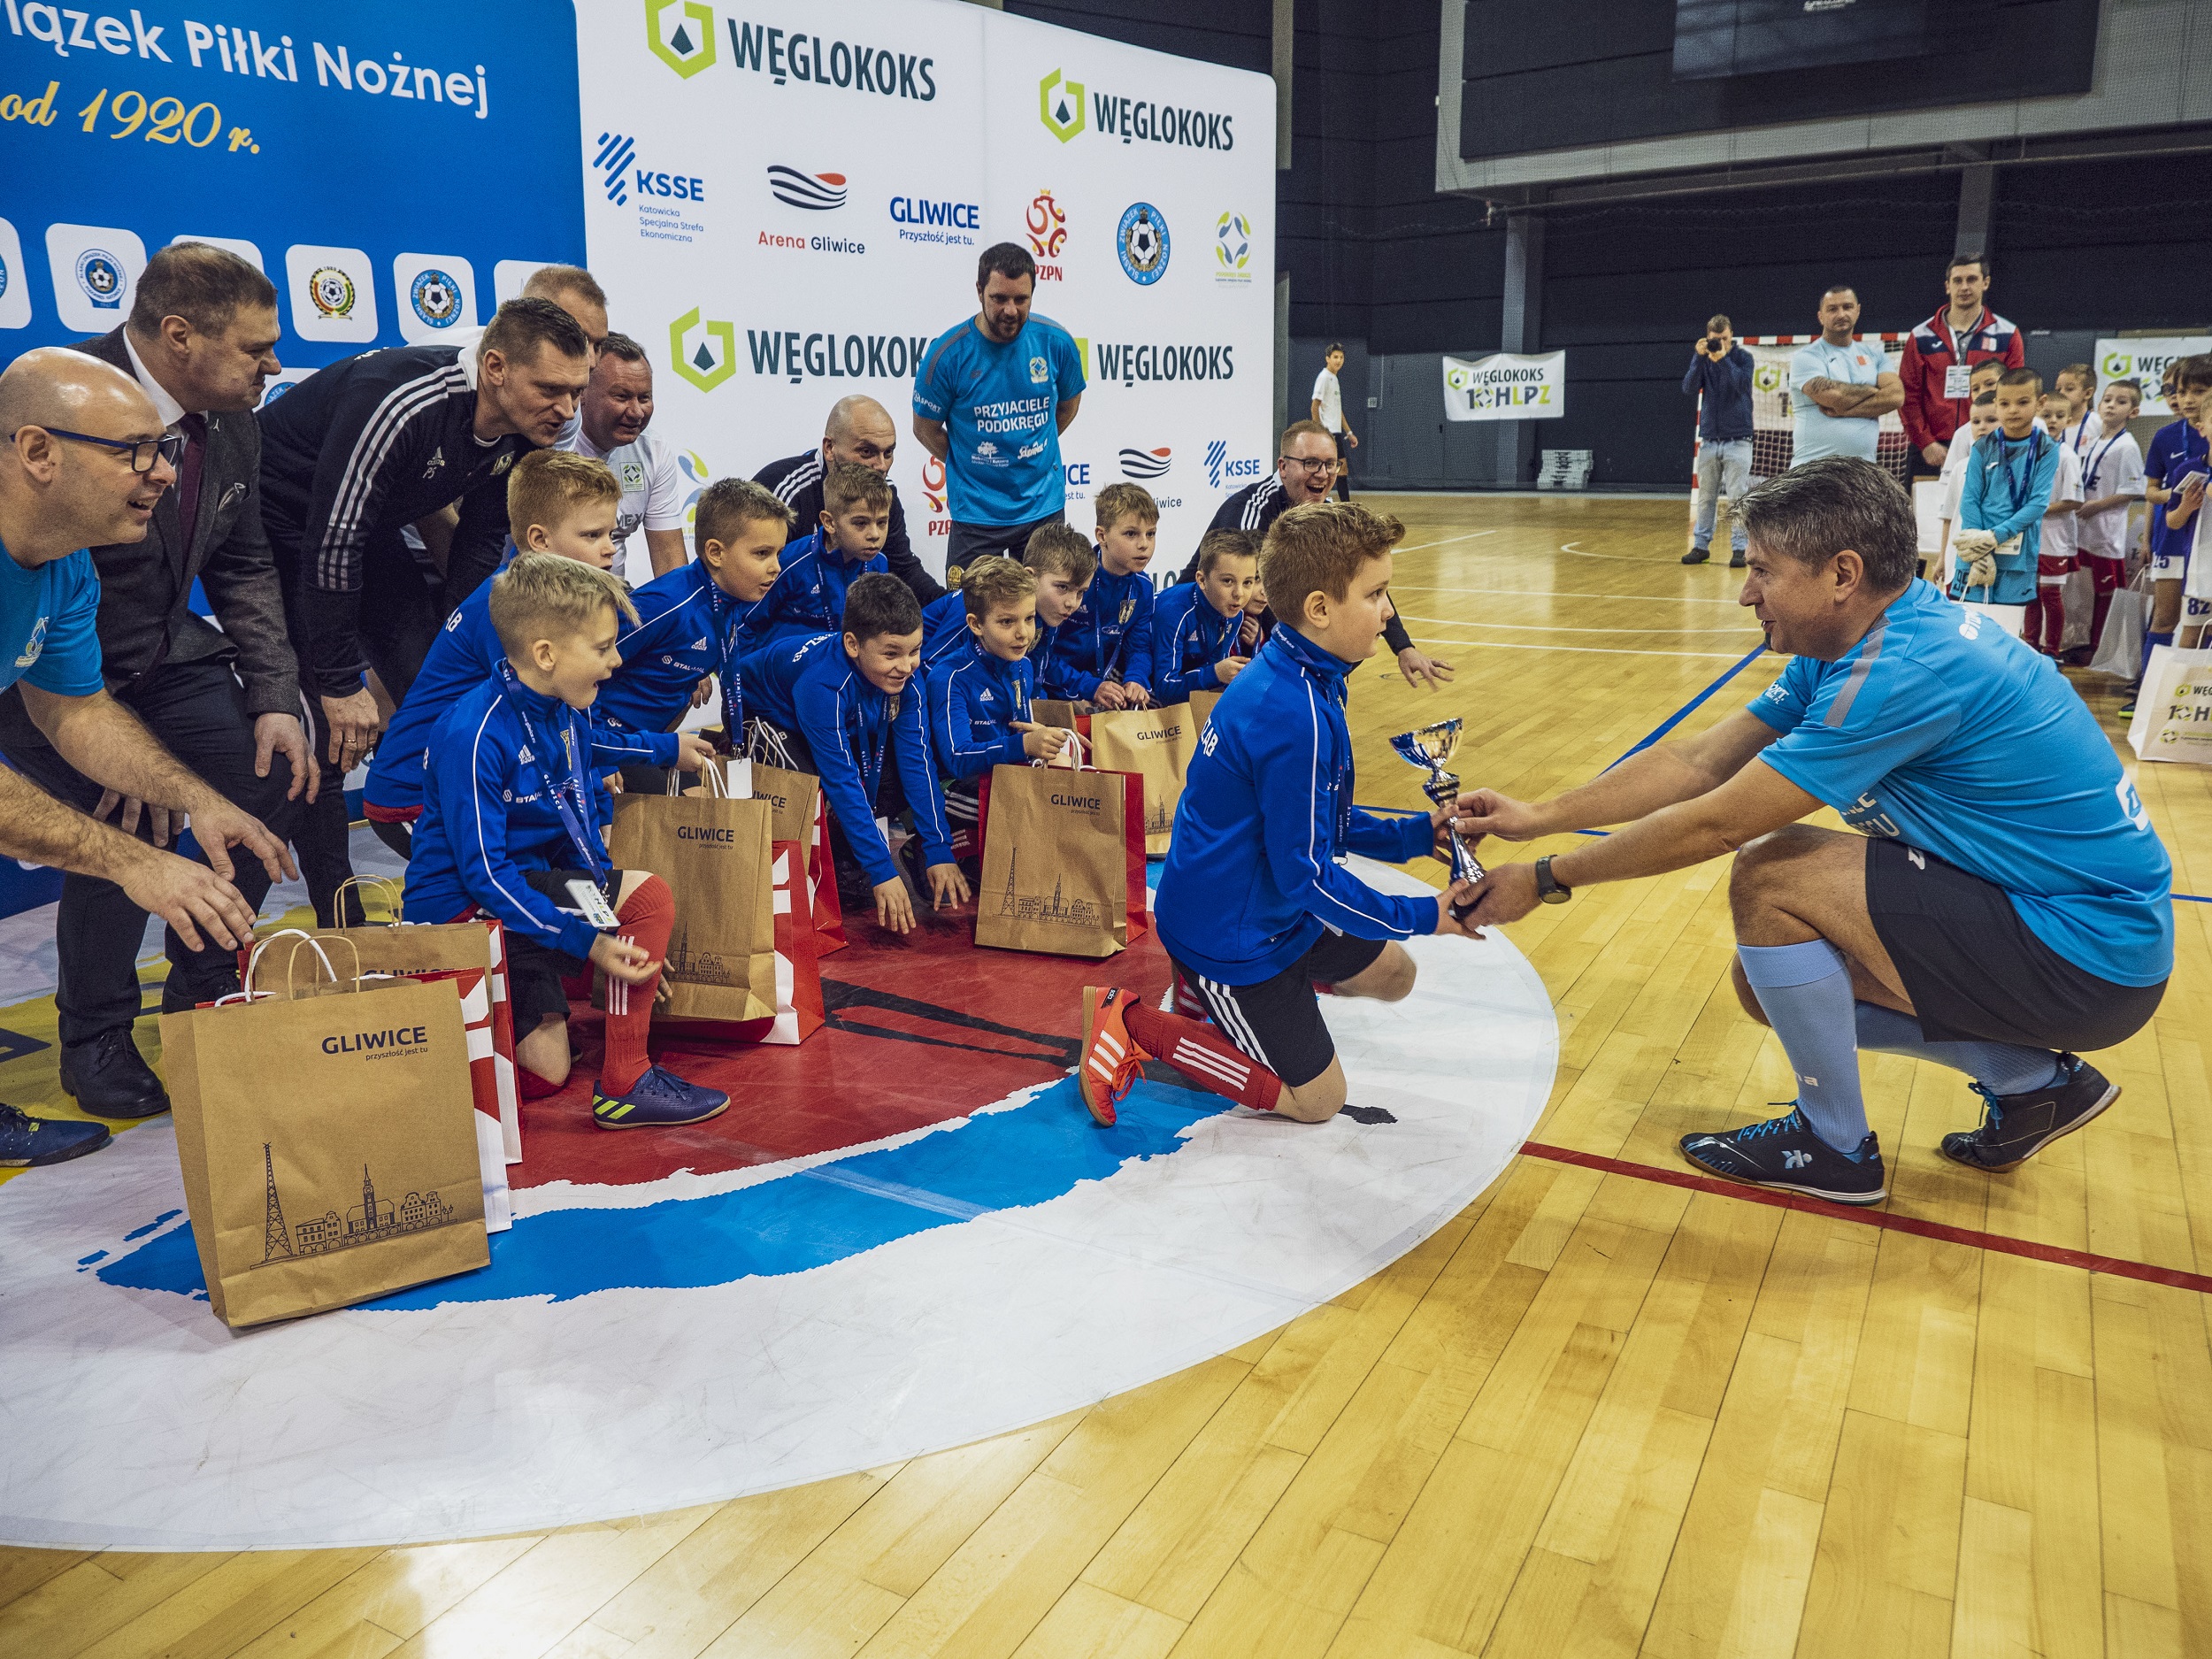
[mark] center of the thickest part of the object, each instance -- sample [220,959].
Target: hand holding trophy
[1429,747]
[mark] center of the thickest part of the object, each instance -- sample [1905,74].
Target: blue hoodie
[973,700]
[465,655]
[1188,637]
[489,817]
[809,596]
[813,688]
[1252,875]
[687,629]
[1111,632]
[2008,490]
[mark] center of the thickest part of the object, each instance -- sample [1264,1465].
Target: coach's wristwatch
[1548,885]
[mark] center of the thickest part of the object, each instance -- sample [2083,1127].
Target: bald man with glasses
[86,462]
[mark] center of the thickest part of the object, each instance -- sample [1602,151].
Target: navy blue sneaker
[2016,1127]
[659,1100]
[27,1141]
[1784,1154]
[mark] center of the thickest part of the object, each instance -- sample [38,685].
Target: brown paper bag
[1055,851]
[1156,744]
[714,854]
[803,816]
[327,1143]
[1201,707]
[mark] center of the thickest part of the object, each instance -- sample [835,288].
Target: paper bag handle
[393,893]
[246,981]
[717,770]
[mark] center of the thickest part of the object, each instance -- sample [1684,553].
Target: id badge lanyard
[571,810]
[2019,487]
[1959,348]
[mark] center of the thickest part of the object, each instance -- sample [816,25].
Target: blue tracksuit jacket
[2008,491]
[973,698]
[687,629]
[487,817]
[1252,873]
[1056,676]
[1188,637]
[1110,633]
[809,596]
[814,689]
[465,655]
[944,629]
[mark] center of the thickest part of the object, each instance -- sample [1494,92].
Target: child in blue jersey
[1065,566]
[690,623]
[847,707]
[1196,626]
[1106,646]
[2010,479]
[2185,516]
[557,502]
[513,827]
[809,596]
[2179,452]
[1254,907]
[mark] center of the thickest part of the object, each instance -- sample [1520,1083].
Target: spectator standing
[1841,387]
[1720,376]
[1940,353]
[1328,409]
[992,396]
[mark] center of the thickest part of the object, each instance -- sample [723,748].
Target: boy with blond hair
[1106,647]
[559,503]
[1195,625]
[808,595]
[513,827]
[1254,907]
[1065,565]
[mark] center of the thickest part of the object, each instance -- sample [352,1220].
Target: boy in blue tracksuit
[1254,907]
[1105,649]
[513,827]
[945,624]
[691,621]
[557,502]
[1065,566]
[1196,625]
[2008,482]
[847,707]
[808,597]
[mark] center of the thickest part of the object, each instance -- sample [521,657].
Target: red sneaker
[1108,1064]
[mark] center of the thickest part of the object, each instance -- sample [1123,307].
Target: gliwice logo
[817,192]
[1060,106]
[680,34]
[703,352]
[613,159]
[1143,463]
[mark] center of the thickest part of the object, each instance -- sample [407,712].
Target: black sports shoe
[2016,1127]
[1697,555]
[1736,560]
[28,1142]
[1784,1153]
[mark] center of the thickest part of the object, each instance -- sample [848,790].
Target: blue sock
[2003,1068]
[1806,992]
[2151,643]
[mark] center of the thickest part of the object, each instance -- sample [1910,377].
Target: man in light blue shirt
[2004,895]
[992,396]
[1840,388]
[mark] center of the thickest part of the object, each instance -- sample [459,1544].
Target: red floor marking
[2118,1266]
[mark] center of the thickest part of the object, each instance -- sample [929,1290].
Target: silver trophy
[1429,747]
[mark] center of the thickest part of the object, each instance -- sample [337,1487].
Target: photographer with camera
[1721,370]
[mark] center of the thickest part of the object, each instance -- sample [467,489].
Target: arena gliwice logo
[1141,465]
[680,34]
[1142,241]
[816,192]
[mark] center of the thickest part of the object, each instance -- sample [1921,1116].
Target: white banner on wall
[1506,386]
[2146,360]
[784,204]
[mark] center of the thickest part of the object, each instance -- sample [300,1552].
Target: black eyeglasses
[142,451]
[1326,464]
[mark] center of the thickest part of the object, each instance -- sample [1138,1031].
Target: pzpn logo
[681,34]
[1060,106]
[703,352]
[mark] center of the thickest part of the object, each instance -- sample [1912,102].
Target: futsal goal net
[1772,425]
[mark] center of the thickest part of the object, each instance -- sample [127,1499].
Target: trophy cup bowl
[1429,747]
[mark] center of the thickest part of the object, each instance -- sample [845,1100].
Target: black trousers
[198,713]
[1343,479]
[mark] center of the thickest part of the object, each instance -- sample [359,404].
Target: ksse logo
[616,152]
[1220,468]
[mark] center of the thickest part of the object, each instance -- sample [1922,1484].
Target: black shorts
[1975,971]
[1277,1022]
[969,542]
[534,972]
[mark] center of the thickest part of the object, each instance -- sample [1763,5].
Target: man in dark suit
[200,342]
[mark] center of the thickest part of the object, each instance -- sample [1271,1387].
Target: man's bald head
[59,493]
[55,387]
[860,430]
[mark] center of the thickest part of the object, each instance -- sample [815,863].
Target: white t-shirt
[1330,395]
[1953,478]
[2114,468]
[2058,533]
[652,496]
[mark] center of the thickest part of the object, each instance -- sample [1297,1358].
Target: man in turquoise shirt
[2004,895]
[992,396]
[1839,387]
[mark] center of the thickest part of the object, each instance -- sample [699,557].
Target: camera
[1712,343]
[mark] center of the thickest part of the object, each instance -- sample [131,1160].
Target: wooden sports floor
[1601,1412]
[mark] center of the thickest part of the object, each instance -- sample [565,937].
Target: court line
[1690,708]
[1561,627]
[1580,650]
[1560,593]
[1473,535]
[1618,558]
[2118,1267]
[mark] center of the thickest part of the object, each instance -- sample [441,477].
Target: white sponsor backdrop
[921,132]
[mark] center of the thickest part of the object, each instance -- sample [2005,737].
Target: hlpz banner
[1506,386]
[786,202]
[394,170]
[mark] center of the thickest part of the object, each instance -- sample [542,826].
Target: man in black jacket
[1720,377]
[201,343]
[859,430]
[360,450]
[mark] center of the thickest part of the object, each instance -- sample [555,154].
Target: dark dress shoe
[107,1077]
[179,996]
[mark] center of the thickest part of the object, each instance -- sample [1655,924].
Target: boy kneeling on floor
[513,827]
[1254,907]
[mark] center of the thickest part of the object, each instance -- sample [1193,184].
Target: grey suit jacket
[146,587]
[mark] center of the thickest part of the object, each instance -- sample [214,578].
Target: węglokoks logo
[680,34]
[702,351]
[1061,108]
